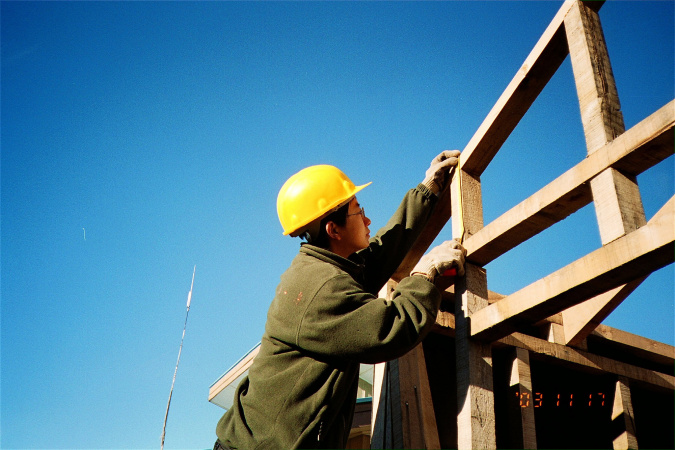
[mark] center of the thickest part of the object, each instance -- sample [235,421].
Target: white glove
[447,255]
[439,170]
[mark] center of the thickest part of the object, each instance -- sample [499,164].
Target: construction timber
[536,369]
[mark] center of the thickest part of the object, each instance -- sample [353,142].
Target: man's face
[355,232]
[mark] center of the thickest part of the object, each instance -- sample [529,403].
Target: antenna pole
[166,416]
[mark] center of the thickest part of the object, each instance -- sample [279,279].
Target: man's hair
[339,217]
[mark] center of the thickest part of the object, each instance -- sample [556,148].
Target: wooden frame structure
[557,318]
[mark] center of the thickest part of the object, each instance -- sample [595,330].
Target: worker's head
[312,195]
[344,231]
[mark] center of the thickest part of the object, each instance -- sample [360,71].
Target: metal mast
[179,352]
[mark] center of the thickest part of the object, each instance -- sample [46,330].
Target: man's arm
[348,323]
[393,241]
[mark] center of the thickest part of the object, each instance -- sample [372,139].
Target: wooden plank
[386,429]
[616,196]
[640,346]
[580,320]
[522,381]
[417,409]
[555,333]
[619,211]
[445,323]
[471,220]
[623,416]
[618,204]
[540,65]
[598,98]
[588,360]
[643,146]
[621,261]
[440,361]
[403,414]
[377,419]
[475,394]
[393,429]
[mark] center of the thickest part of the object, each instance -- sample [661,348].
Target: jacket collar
[354,265]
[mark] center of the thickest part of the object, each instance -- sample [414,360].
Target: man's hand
[447,255]
[439,171]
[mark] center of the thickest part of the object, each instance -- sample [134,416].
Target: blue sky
[142,138]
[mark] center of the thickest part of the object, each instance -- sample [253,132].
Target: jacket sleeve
[392,242]
[344,321]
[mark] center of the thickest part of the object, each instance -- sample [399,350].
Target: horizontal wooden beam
[643,146]
[540,65]
[621,261]
[640,346]
[589,360]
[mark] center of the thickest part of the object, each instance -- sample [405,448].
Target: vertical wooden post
[598,96]
[521,382]
[376,420]
[386,430]
[622,415]
[475,396]
[403,411]
[417,409]
[379,370]
[616,196]
[555,333]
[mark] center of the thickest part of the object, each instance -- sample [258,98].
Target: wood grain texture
[623,260]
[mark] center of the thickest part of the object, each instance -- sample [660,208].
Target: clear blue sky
[163,131]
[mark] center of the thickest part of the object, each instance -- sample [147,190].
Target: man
[325,319]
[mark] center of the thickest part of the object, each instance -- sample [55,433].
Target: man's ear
[332,231]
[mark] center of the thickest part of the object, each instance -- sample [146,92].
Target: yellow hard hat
[310,194]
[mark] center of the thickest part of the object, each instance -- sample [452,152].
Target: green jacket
[324,321]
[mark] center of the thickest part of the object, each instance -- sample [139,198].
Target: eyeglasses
[362,212]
